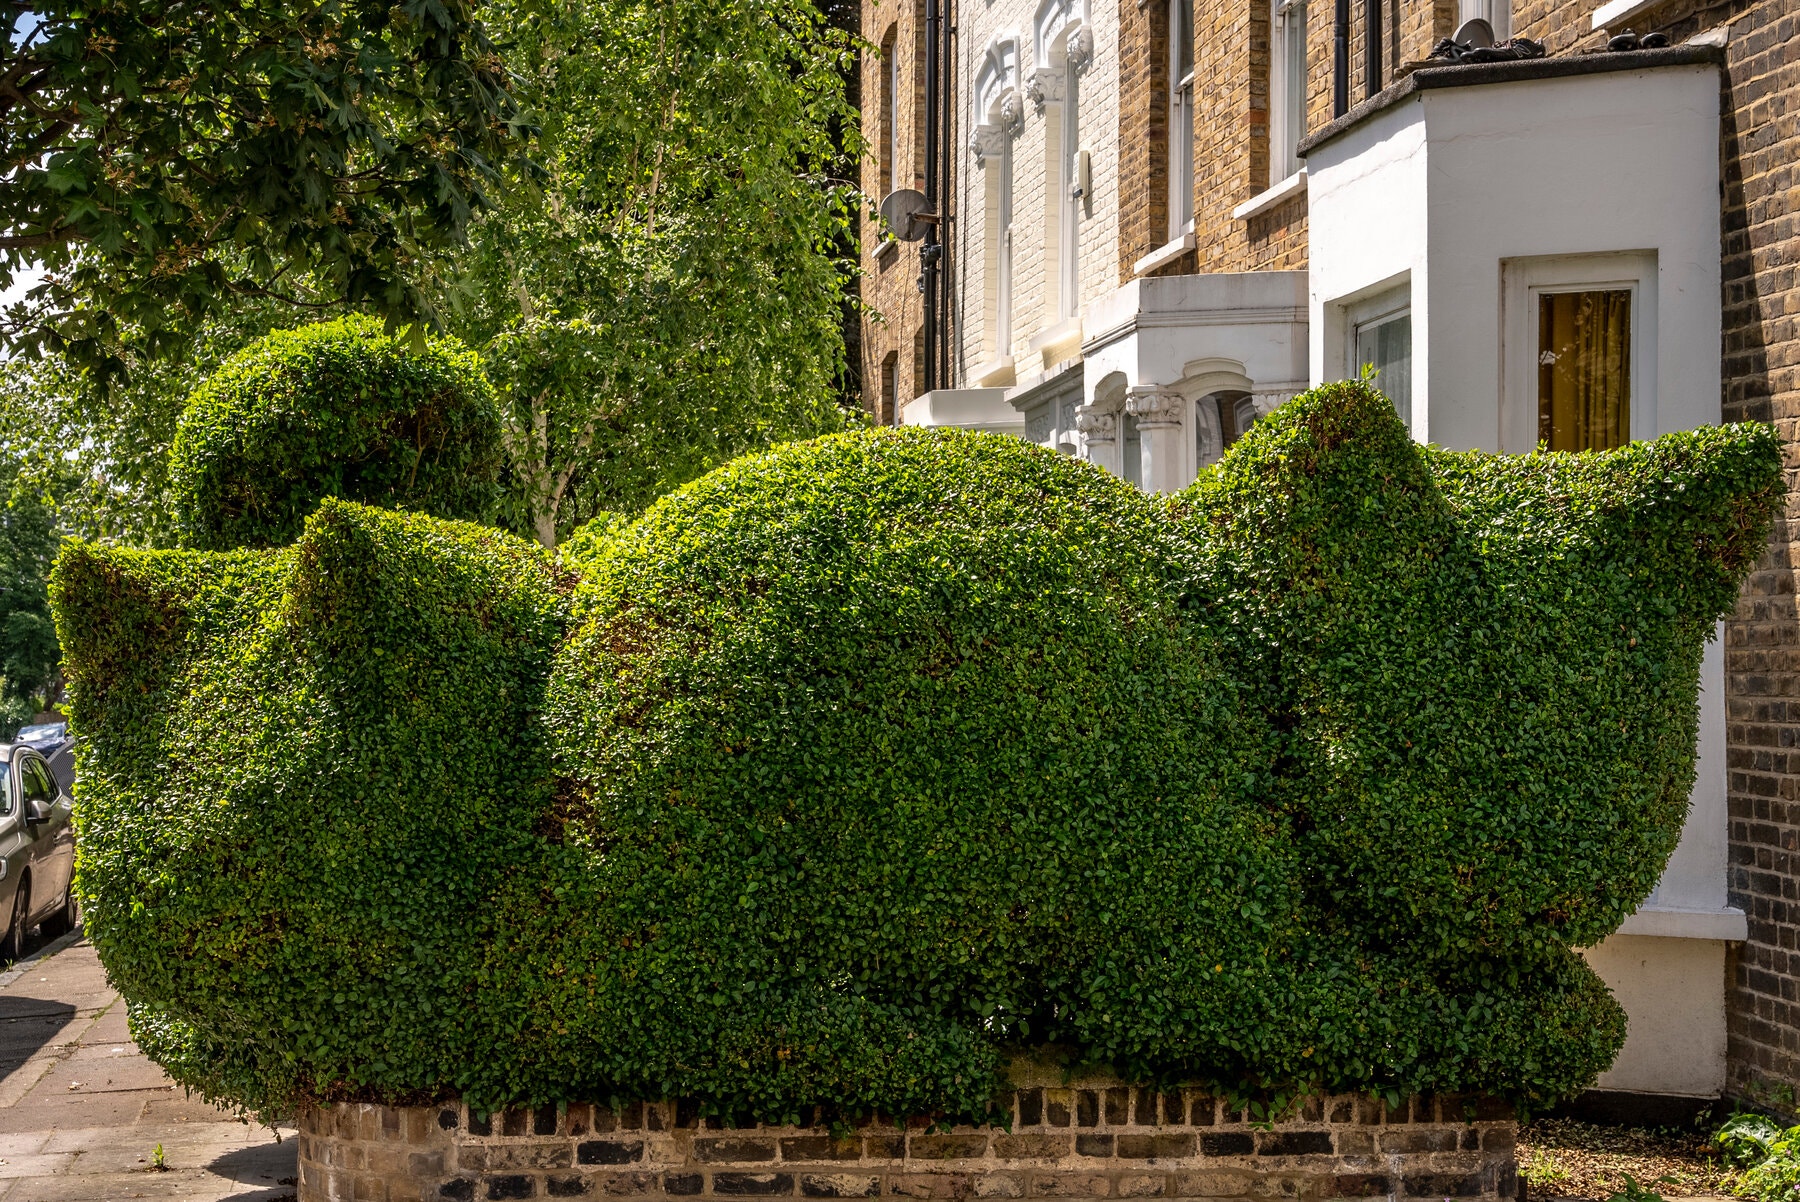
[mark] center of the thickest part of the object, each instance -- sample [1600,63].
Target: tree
[29,655]
[163,160]
[667,292]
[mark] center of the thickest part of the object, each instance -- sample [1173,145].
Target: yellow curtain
[1584,369]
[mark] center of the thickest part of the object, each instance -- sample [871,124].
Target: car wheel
[67,916]
[13,949]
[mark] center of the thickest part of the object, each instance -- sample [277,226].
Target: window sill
[888,246]
[1621,11]
[995,374]
[1162,256]
[1294,185]
[1728,924]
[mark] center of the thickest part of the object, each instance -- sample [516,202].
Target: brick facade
[892,349]
[1101,1141]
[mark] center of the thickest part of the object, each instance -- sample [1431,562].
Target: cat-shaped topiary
[855,765]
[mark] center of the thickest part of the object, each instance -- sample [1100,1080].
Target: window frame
[1526,279]
[1377,309]
[1287,113]
[1181,118]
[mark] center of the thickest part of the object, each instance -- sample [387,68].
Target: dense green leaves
[667,290]
[163,159]
[29,655]
[338,409]
[853,765]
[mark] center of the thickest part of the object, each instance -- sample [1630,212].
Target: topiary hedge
[338,409]
[854,766]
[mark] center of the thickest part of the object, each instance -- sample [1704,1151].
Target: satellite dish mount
[908,214]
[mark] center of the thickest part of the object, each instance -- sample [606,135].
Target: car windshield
[41,734]
[5,793]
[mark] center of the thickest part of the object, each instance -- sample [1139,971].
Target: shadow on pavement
[265,1165]
[26,1025]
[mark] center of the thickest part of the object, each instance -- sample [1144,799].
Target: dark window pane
[1584,369]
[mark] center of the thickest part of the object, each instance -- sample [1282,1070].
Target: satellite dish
[907,214]
[1476,34]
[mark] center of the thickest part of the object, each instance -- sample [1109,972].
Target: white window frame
[1497,13]
[1181,126]
[893,116]
[1069,236]
[1523,280]
[1287,112]
[1375,310]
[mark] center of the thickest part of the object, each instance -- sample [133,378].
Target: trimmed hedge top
[853,765]
[338,409]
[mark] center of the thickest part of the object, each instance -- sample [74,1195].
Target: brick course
[1101,1142]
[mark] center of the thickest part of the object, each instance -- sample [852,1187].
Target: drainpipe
[931,252]
[1340,59]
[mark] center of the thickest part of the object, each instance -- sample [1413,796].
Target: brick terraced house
[1573,224]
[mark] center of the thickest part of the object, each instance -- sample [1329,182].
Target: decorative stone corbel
[1045,86]
[1268,399]
[990,137]
[1081,47]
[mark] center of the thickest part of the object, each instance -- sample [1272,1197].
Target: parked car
[51,740]
[37,850]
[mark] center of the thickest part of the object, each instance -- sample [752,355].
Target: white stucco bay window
[1555,226]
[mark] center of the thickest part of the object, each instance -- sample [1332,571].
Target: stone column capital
[1154,405]
[1096,426]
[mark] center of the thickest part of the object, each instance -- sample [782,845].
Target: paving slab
[82,1110]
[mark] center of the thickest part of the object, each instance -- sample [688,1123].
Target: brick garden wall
[1064,1143]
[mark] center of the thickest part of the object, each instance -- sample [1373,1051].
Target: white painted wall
[1456,190]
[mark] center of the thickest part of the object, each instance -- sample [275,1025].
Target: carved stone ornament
[1268,401]
[1096,426]
[1012,113]
[1045,86]
[985,140]
[1154,406]
[1081,47]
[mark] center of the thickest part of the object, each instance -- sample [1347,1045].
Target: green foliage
[1769,1156]
[667,292]
[165,160]
[29,655]
[855,766]
[1636,1191]
[338,409]
[1746,1139]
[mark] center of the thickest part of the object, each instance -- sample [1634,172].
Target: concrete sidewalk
[82,1110]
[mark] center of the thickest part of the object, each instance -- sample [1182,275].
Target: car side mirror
[36,813]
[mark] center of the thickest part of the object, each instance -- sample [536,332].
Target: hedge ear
[1327,489]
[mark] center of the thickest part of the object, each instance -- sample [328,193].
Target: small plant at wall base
[855,767]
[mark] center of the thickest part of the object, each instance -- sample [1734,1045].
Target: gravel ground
[1562,1158]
